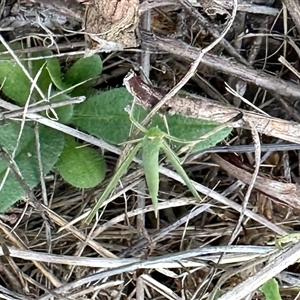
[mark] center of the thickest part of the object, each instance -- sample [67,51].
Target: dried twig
[252,283]
[137,265]
[225,66]
[193,67]
[285,193]
[293,6]
[198,107]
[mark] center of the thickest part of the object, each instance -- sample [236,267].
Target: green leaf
[113,182]
[151,147]
[51,72]
[82,70]
[53,67]
[44,80]
[16,85]
[271,290]
[104,116]
[64,113]
[13,76]
[13,45]
[191,129]
[51,145]
[9,132]
[82,167]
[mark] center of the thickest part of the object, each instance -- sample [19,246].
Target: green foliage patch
[53,148]
[271,290]
[104,115]
[89,164]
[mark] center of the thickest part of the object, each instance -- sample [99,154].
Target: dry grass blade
[282,261]
[235,58]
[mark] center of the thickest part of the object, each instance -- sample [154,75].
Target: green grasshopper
[152,143]
[287,239]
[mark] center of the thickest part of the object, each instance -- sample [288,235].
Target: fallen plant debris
[215,84]
[225,66]
[206,109]
[283,192]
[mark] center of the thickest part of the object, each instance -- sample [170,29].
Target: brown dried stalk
[198,107]
[293,7]
[287,194]
[223,65]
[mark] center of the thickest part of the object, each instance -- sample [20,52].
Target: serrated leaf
[271,290]
[151,146]
[104,115]
[83,69]
[82,167]
[51,145]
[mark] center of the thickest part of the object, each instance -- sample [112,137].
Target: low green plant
[81,167]
[270,289]
[103,115]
